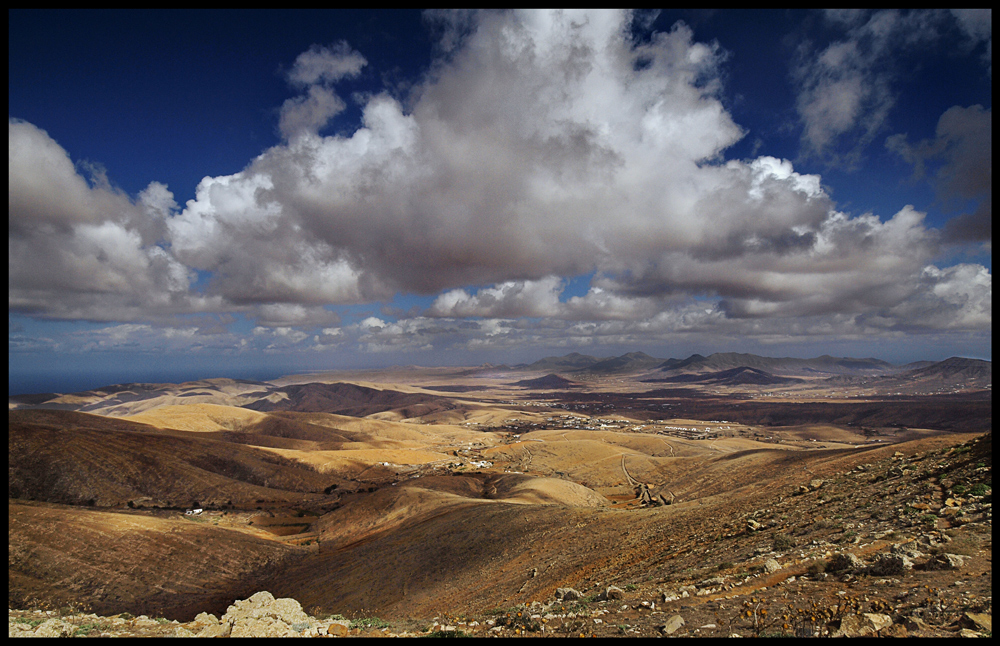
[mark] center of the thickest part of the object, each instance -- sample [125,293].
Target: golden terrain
[451,494]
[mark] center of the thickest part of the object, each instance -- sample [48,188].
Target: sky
[249,194]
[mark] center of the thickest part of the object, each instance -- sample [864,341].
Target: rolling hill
[82,459]
[825,364]
[732,377]
[550,381]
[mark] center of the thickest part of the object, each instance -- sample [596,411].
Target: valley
[459,493]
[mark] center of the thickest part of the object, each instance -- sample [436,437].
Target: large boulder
[568,594]
[55,628]
[889,565]
[614,592]
[945,562]
[263,616]
[861,625]
[844,562]
[771,565]
[673,625]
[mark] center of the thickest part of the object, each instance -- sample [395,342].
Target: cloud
[326,65]
[86,250]
[307,114]
[315,71]
[511,299]
[954,298]
[977,24]
[962,151]
[846,90]
[543,145]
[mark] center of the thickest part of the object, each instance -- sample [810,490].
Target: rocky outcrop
[845,562]
[945,562]
[261,616]
[863,624]
[568,594]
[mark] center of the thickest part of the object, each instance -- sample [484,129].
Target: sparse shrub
[34,623]
[725,565]
[86,629]
[847,536]
[959,490]
[930,519]
[630,587]
[368,622]
[817,567]
[979,489]
[782,542]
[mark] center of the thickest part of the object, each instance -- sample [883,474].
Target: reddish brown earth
[487,502]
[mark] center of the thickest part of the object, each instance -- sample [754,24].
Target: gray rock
[844,562]
[890,564]
[905,549]
[673,625]
[263,616]
[216,630]
[568,594]
[711,583]
[55,628]
[981,621]
[878,621]
[206,618]
[945,562]
[614,592]
[861,625]
[916,624]
[264,626]
[770,565]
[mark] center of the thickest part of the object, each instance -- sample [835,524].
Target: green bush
[368,622]
[979,489]
[782,542]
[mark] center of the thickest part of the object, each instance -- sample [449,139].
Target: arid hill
[342,399]
[629,362]
[782,366]
[955,367]
[82,459]
[571,361]
[655,511]
[733,377]
[550,381]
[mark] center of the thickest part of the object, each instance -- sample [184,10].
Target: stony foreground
[573,614]
[901,546]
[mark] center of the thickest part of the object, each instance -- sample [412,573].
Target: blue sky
[249,194]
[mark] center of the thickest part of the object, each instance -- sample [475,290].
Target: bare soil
[467,512]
